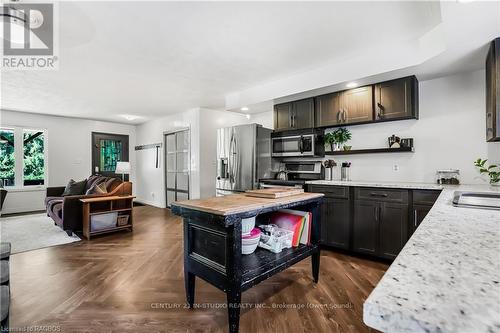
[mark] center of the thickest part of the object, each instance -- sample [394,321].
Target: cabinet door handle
[344,116]
[382,195]
[339,117]
[376,213]
[415,218]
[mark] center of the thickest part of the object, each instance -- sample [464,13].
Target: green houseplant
[342,135]
[492,170]
[330,140]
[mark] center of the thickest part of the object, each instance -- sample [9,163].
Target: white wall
[263,118]
[449,134]
[69,152]
[203,124]
[151,180]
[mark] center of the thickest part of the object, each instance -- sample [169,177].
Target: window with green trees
[26,165]
[7,158]
[34,158]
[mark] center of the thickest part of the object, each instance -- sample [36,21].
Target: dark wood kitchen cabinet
[294,115]
[365,226]
[396,99]
[380,221]
[329,110]
[335,216]
[357,105]
[493,92]
[422,202]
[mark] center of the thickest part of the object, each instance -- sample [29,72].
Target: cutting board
[274,192]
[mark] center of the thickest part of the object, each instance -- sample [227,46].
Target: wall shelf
[371,151]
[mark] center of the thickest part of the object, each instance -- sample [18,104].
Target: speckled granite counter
[447,277]
[412,186]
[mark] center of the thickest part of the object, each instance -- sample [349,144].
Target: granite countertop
[406,185]
[447,277]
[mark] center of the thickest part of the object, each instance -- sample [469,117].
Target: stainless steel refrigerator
[243,157]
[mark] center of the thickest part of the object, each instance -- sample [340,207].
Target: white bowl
[249,249]
[247,225]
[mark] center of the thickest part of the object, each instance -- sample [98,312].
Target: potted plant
[330,140]
[342,135]
[492,170]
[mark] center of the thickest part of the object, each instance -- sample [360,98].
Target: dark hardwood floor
[133,282]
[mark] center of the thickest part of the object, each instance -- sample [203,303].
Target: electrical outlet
[152,194]
[395,167]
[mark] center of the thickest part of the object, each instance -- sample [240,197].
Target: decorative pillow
[97,189]
[75,188]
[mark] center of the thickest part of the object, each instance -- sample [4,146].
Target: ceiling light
[130,117]
[244,108]
[351,85]
[16,20]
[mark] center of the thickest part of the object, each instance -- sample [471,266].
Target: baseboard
[149,203]
[22,210]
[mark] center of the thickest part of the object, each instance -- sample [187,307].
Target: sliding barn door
[177,166]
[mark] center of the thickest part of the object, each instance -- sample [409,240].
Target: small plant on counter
[342,135]
[492,170]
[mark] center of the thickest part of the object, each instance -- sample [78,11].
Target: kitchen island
[212,244]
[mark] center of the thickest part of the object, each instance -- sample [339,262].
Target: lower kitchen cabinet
[393,224]
[335,222]
[365,226]
[419,212]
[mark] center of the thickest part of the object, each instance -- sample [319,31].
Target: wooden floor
[133,282]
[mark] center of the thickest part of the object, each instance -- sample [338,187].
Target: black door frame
[96,136]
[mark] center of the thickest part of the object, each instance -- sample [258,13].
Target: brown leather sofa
[67,211]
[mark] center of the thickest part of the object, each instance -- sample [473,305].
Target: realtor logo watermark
[29,34]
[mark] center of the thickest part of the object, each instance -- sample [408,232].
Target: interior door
[107,149]
[177,166]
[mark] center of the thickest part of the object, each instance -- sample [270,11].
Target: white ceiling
[154,58]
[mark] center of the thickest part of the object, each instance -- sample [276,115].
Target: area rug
[31,232]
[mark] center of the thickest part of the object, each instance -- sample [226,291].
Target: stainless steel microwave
[294,145]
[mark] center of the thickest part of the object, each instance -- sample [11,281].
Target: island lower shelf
[261,264]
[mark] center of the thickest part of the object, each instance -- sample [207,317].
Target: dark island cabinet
[493,92]
[294,115]
[396,99]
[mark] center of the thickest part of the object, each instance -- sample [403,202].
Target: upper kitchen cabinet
[493,92]
[396,99]
[294,115]
[357,105]
[329,110]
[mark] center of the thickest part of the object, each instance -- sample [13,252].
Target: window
[23,157]
[34,157]
[7,160]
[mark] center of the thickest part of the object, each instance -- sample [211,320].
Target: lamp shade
[122,167]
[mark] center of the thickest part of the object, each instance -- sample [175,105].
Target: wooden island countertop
[241,203]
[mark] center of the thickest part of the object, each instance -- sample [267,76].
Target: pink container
[249,243]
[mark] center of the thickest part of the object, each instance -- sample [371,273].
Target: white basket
[103,221]
[278,240]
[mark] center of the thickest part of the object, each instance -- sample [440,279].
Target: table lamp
[123,168]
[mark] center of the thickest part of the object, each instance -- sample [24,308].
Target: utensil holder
[345,174]
[328,173]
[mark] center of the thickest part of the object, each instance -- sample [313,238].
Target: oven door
[288,146]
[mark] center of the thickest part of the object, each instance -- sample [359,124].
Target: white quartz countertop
[447,277]
[406,185]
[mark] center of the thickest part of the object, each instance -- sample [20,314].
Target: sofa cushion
[97,189]
[75,188]
[57,209]
[48,200]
